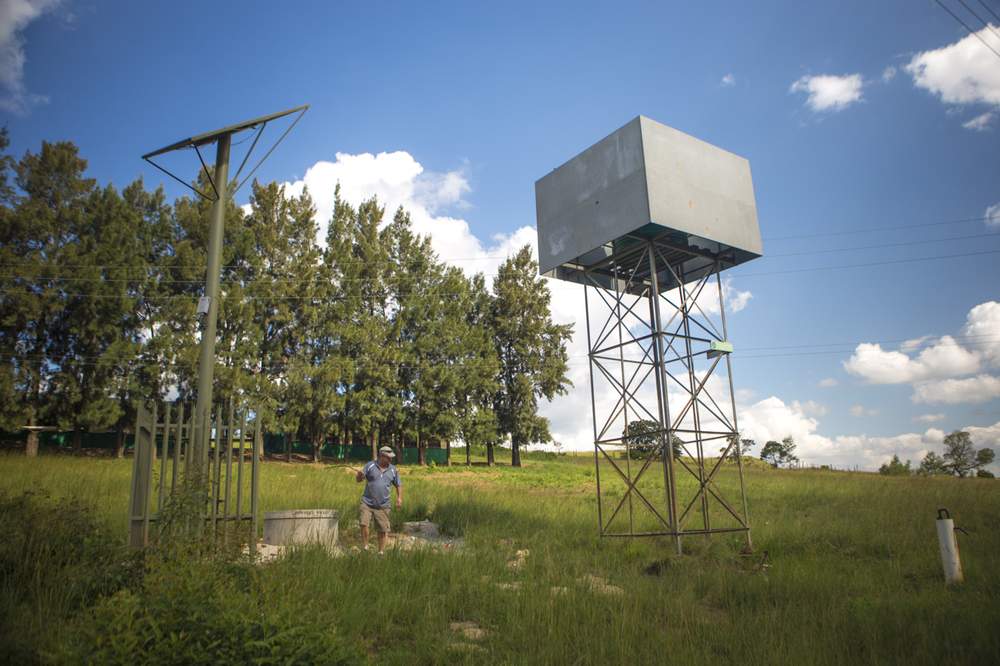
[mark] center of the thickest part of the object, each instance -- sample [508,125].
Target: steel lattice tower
[647,219]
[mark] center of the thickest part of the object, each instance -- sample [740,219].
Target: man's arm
[361,474]
[399,492]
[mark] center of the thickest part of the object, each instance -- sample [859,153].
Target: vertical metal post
[164,455]
[736,425]
[142,472]
[661,394]
[206,362]
[593,410]
[693,388]
[179,418]
[216,482]
[239,467]
[624,392]
[258,446]
[229,471]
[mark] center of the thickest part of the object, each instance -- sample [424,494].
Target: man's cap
[387,451]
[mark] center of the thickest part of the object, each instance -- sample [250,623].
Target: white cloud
[15,15]
[869,452]
[736,300]
[440,190]
[981,123]
[992,215]
[945,358]
[982,331]
[828,382]
[974,390]
[707,300]
[936,370]
[828,92]
[985,436]
[860,411]
[397,179]
[773,419]
[810,408]
[728,80]
[914,344]
[965,72]
[929,418]
[888,74]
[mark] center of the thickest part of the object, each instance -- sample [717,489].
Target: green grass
[854,575]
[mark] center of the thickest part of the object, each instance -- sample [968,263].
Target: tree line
[960,458]
[367,337]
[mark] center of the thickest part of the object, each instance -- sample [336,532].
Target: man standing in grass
[379,475]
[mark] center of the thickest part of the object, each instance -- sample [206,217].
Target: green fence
[273,443]
[51,439]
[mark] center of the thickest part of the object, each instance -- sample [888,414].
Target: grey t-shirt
[377,489]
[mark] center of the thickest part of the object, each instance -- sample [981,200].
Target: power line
[55,358]
[973,339]
[972,32]
[872,229]
[887,262]
[870,264]
[883,245]
[989,9]
[338,280]
[978,17]
[201,267]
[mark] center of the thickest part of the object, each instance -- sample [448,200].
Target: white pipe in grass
[949,548]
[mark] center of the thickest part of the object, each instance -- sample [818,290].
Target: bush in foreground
[207,611]
[70,592]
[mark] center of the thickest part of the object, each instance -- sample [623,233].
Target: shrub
[205,611]
[54,560]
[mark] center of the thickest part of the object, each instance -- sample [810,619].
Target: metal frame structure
[647,320]
[231,504]
[184,435]
[222,192]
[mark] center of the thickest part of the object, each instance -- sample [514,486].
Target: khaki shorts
[381,517]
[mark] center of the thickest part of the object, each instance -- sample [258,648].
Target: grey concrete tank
[302,526]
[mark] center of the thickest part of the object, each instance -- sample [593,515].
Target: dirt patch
[519,560]
[413,536]
[423,534]
[469,630]
[462,646]
[601,586]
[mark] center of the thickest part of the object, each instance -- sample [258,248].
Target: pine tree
[477,422]
[367,338]
[37,234]
[531,350]
[317,372]
[149,375]
[100,325]
[283,285]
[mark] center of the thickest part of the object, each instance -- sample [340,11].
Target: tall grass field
[845,570]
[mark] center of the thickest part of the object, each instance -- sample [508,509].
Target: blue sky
[855,117]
